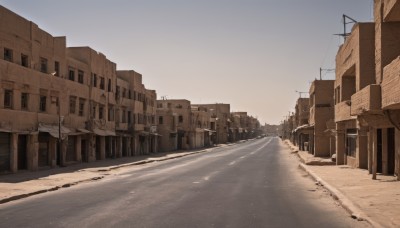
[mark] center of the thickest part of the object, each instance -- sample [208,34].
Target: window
[123,92]
[102,83]
[101,112]
[94,80]
[81,106]
[24,60]
[93,114]
[160,120]
[43,65]
[109,85]
[8,98]
[80,76]
[71,74]
[180,119]
[24,101]
[110,113]
[159,105]
[42,103]
[72,104]
[8,54]
[129,94]
[117,92]
[56,68]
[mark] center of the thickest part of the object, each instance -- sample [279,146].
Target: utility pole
[346,20]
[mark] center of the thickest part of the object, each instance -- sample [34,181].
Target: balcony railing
[391,85]
[342,111]
[366,101]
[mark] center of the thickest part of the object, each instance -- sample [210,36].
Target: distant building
[321,116]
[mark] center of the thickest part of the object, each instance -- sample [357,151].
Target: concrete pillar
[340,145]
[397,151]
[102,147]
[33,150]
[362,145]
[370,148]
[384,151]
[119,145]
[53,143]
[92,148]
[14,153]
[78,148]
[374,154]
[64,148]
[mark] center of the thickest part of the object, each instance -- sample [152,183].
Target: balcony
[122,126]
[366,101]
[139,127]
[391,85]
[391,10]
[342,111]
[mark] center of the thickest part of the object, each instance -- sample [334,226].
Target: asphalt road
[253,184]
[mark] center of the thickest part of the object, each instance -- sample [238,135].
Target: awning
[144,133]
[84,130]
[54,130]
[303,127]
[5,130]
[104,132]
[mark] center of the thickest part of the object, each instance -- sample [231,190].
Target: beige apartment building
[301,128]
[354,72]
[368,60]
[64,105]
[140,112]
[176,116]
[321,117]
[201,123]
[220,121]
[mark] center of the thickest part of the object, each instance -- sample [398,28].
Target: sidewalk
[28,183]
[376,201]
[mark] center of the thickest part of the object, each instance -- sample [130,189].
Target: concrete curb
[345,202]
[50,189]
[67,185]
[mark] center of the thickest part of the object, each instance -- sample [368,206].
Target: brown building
[181,109]
[321,115]
[141,114]
[201,122]
[65,105]
[301,128]
[354,71]
[368,62]
[220,121]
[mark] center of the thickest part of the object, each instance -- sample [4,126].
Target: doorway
[84,154]
[22,152]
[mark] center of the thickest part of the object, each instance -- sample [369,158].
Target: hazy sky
[252,54]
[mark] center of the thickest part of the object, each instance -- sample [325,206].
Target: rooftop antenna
[346,20]
[326,70]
